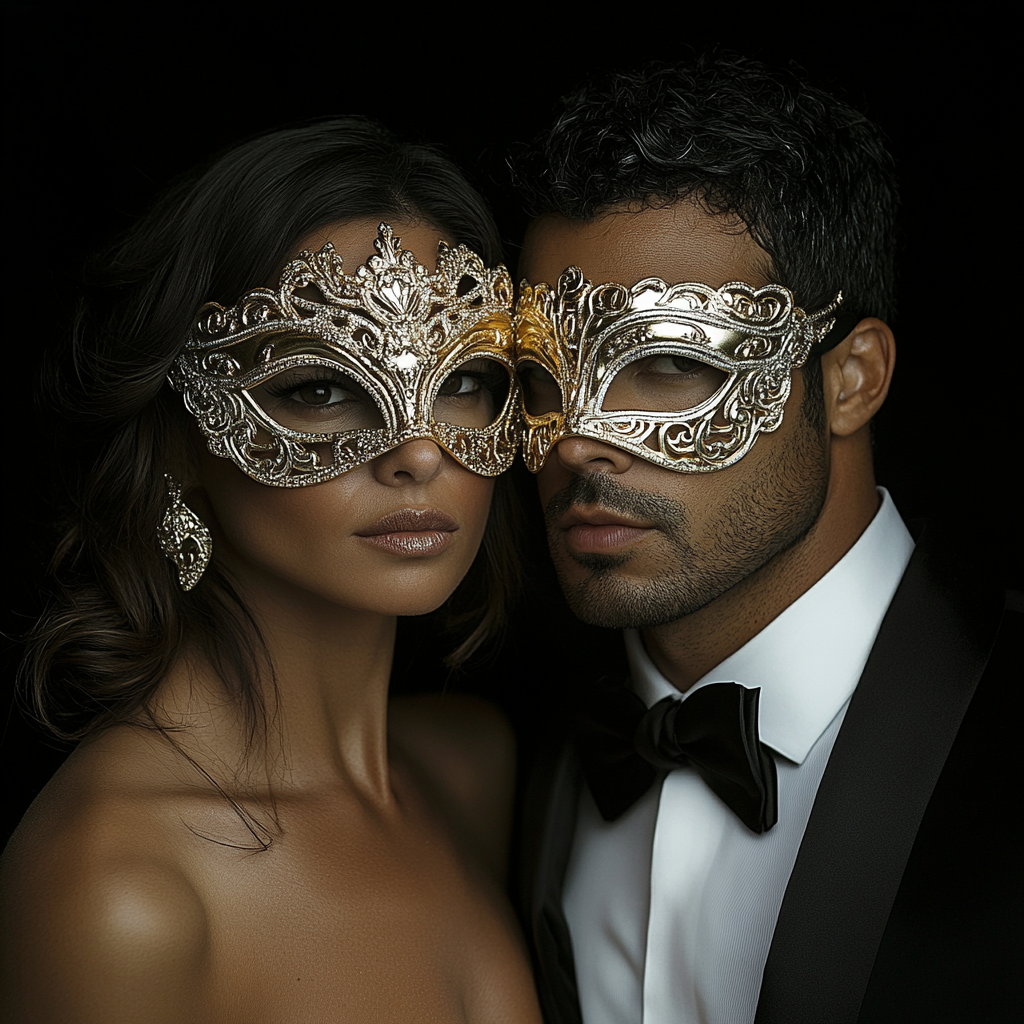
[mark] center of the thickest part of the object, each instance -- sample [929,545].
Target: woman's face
[395,535]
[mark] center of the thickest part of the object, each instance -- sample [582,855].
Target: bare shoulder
[101,920]
[465,749]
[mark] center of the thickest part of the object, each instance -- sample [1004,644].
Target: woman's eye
[473,394]
[314,394]
[302,399]
[321,392]
[459,384]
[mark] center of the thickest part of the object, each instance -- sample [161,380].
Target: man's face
[635,544]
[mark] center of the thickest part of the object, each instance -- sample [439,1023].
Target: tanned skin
[737,546]
[136,891]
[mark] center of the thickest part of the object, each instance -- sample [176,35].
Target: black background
[102,111]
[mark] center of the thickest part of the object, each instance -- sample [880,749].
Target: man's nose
[588,455]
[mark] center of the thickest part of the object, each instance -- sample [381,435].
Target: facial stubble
[773,513]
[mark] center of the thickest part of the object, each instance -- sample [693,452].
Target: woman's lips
[411,532]
[594,532]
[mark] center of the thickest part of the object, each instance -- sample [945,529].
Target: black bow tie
[623,745]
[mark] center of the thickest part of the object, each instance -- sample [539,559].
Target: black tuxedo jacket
[905,899]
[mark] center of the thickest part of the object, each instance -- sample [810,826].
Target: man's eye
[541,393]
[672,365]
[662,383]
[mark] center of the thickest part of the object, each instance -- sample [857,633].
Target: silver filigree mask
[683,375]
[331,370]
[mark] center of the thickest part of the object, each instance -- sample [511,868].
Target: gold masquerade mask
[684,375]
[304,383]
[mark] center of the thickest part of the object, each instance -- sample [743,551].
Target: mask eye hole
[473,394]
[665,382]
[541,393]
[317,399]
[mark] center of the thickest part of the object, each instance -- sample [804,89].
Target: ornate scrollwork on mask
[584,335]
[392,331]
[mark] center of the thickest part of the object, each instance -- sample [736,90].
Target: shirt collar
[807,660]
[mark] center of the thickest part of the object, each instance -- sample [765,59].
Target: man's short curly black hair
[808,175]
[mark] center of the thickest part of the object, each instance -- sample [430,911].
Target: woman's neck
[326,699]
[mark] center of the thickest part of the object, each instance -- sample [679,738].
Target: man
[699,388]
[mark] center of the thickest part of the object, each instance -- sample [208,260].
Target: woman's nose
[415,461]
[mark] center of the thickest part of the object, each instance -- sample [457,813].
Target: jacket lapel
[903,718]
[549,823]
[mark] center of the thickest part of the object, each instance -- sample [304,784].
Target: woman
[247,832]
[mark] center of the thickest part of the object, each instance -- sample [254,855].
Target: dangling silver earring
[183,537]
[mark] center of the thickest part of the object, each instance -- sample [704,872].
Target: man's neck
[688,648]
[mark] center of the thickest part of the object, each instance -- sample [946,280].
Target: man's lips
[412,532]
[596,530]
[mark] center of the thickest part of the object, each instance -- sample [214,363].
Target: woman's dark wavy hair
[808,175]
[117,619]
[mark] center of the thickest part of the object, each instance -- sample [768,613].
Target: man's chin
[611,600]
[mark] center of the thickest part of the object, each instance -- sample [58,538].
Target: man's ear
[856,375]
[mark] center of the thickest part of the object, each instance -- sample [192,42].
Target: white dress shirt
[672,907]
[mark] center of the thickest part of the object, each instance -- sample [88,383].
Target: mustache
[604,490]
